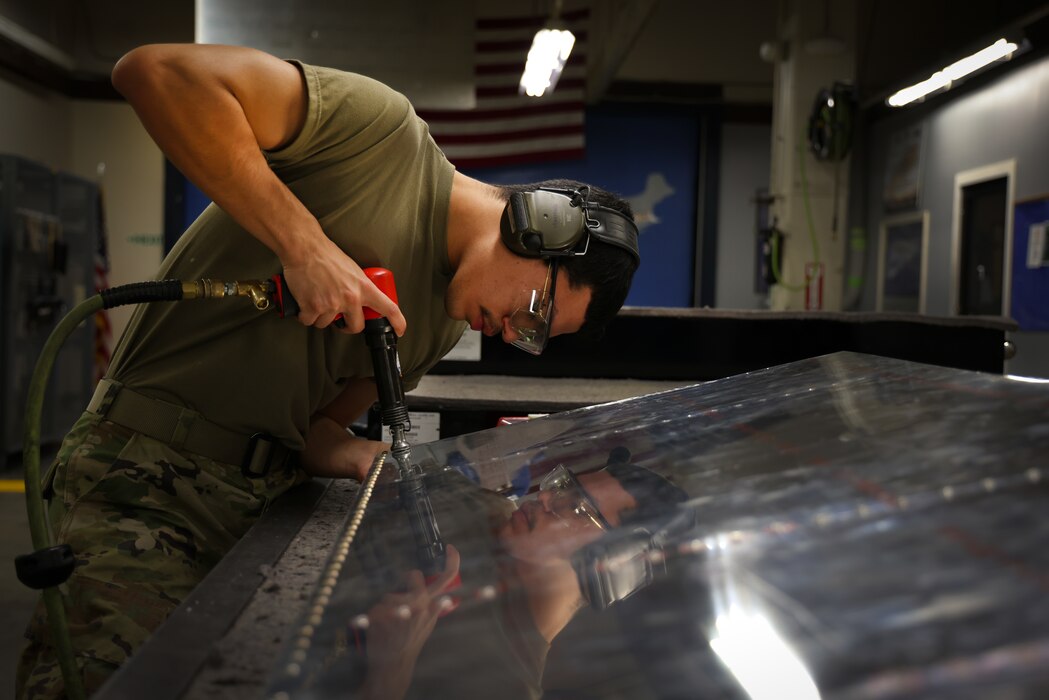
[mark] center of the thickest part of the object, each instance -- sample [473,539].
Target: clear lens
[531,321]
[569,499]
[532,325]
[558,479]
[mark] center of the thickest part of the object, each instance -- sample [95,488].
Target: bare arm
[212,110]
[330,450]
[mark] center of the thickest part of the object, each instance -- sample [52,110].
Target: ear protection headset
[552,222]
[626,559]
[617,566]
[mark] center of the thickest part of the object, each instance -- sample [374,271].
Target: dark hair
[607,269]
[655,494]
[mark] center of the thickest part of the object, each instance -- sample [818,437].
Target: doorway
[983,240]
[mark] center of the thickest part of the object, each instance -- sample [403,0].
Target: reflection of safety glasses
[531,321]
[569,499]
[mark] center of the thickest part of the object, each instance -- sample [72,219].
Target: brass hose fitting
[258,291]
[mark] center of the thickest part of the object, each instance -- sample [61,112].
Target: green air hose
[38,527]
[776,274]
[49,565]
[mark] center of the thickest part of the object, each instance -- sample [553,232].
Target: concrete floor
[16,601]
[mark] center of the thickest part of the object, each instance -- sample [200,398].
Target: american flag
[506,128]
[103,329]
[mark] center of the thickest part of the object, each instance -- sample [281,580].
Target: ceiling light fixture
[546,59]
[943,79]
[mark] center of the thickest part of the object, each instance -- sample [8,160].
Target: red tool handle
[287,306]
[383,279]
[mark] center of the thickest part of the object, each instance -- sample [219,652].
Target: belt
[185,429]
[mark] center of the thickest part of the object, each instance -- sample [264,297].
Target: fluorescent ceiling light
[546,60]
[942,79]
[1030,380]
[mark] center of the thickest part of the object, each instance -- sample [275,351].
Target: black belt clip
[262,453]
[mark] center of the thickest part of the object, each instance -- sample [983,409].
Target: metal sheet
[853,527]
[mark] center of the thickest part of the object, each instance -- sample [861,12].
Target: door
[982,280]
[982,240]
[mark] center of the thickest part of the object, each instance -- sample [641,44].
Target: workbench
[881,521]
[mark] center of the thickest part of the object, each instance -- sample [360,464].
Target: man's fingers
[451,570]
[320,302]
[306,318]
[384,306]
[398,322]
[325,320]
[415,581]
[353,321]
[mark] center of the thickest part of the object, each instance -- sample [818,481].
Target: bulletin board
[1030,293]
[901,190]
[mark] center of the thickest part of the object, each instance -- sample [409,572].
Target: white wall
[745,155]
[109,134]
[1004,119]
[35,124]
[76,136]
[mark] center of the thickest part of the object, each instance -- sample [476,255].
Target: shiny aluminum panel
[848,526]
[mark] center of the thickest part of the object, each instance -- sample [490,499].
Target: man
[211,410]
[535,554]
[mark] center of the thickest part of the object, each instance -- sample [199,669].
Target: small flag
[103,328]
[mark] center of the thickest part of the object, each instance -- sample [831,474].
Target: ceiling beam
[30,58]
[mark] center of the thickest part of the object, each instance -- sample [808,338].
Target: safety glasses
[569,499]
[531,321]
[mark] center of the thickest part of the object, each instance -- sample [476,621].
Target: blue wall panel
[1030,292]
[651,161]
[195,202]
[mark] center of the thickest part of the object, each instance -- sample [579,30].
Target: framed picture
[903,246]
[903,169]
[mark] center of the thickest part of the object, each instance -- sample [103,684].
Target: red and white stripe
[103,327]
[506,128]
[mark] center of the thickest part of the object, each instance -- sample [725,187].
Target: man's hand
[398,627]
[330,450]
[327,283]
[333,452]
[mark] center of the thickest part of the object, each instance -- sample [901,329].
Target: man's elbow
[137,67]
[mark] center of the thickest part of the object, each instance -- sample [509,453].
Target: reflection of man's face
[541,530]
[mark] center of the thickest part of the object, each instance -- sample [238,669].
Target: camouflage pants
[146,523]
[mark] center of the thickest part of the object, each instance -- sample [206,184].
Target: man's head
[570,516]
[501,291]
[618,564]
[570,511]
[606,268]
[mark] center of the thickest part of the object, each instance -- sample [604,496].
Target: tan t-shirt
[366,167]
